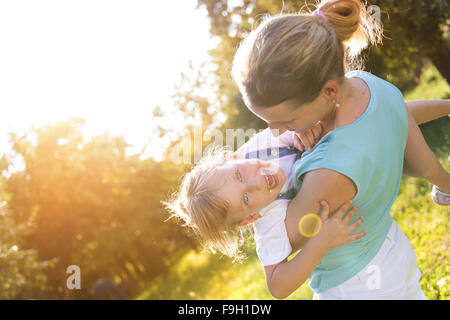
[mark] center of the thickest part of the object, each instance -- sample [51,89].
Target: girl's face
[249,186]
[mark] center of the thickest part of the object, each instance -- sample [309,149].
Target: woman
[290,71]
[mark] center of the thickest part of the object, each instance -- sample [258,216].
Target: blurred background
[94,96]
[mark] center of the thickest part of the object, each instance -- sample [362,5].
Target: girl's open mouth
[272,181]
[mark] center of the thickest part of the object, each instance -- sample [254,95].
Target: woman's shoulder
[338,151]
[386,98]
[315,158]
[374,82]
[362,74]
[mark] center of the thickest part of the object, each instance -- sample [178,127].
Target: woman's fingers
[349,215]
[343,209]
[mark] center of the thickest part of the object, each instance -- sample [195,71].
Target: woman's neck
[353,100]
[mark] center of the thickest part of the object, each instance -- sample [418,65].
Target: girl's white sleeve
[272,242]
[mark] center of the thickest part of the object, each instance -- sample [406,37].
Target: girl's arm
[428,110]
[420,161]
[285,277]
[317,185]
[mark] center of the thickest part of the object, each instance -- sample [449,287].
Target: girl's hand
[308,138]
[335,231]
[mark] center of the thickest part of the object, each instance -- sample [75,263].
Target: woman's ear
[250,219]
[331,90]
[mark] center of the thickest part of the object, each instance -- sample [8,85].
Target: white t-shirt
[272,242]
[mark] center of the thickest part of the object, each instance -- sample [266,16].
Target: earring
[336,104]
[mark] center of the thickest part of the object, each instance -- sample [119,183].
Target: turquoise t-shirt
[370,152]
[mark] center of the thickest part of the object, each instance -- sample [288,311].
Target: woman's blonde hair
[291,56]
[199,206]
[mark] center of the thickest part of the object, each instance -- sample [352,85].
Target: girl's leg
[428,110]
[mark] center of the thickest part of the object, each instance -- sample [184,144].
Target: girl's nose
[255,183]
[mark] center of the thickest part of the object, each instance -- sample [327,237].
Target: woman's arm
[428,110]
[285,277]
[317,185]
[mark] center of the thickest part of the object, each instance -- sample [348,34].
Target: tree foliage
[22,275]
[92,205]
[70,200]
[414,30]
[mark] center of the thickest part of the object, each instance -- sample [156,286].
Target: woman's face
[290,116]
[285,116]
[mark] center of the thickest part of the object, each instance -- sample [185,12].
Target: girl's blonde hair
[291,56]
[199,206]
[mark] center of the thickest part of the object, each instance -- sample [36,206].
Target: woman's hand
[335,230]
[308,138]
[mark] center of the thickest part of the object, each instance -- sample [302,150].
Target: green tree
[415,30]
[93,205]
[22,274]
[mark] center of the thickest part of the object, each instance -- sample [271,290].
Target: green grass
[425,224]
[202,275]
[431,86]
[427,227]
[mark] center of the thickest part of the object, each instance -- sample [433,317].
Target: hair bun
[353,25]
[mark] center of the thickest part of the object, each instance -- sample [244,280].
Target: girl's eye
[238,175]
[245,198]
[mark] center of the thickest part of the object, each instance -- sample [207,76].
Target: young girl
[222,194]
[290,71]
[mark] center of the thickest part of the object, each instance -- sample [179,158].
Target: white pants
[391,275]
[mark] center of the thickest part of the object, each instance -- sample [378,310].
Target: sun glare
[110,62]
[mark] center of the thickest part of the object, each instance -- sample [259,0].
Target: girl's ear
[250,219]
